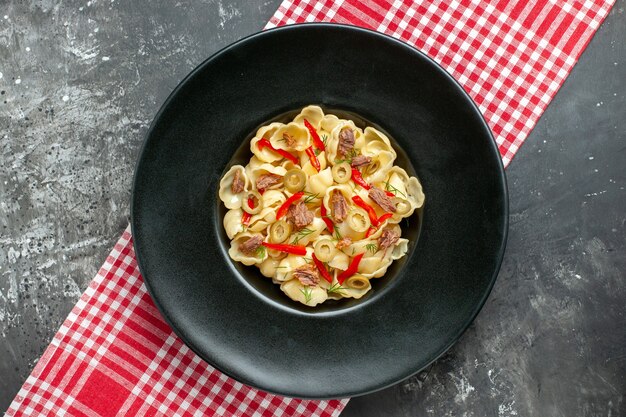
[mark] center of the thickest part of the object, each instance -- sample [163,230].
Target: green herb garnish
[310,197]
[301,234]
[348,157]
[335,288]
[261,252]
[392,189]
[372,248]
[306,291]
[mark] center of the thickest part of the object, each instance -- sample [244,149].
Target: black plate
[235,319]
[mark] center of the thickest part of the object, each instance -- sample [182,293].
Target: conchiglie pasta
[296,209]
[236,253]
[333,140]
[269,267]
[310,296]
[265,154]
[230,199]
[287,265]
[373,141]
[312,114]
[291,136]
[319,182]
[264,169]
[232,222]
[378,169]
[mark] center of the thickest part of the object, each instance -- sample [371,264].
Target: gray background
[80,84]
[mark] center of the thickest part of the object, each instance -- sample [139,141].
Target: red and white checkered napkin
[114,355]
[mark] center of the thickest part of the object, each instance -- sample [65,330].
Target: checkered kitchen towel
[114,355]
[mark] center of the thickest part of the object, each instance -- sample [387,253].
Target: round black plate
[245,329]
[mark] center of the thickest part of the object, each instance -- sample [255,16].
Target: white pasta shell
[287,265]
[333,139]
[319,182]
[312,114]
[265,154]
[238,256]
[256,172]
[329,122]
[415,193]
[378,169]
[268,267]
[312,230]
[259,222]
[230,200]
[340,261]
[297,292]
[374,141]
[400,249]
[273,199]
[374,266]
[297,131]
[232,222]
[308,168]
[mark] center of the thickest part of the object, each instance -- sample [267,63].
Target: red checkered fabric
[114,355]
[511,56]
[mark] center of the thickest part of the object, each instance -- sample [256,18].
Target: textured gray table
[80,83]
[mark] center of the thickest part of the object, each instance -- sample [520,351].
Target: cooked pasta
[317,208]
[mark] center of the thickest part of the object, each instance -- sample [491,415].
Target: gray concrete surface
[80,83]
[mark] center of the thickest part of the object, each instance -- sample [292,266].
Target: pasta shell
[310,296]
[230,200]
[309,233]
[268,267]
[333,139]
[255,172]
[286,267]
[319,183]
[265,132]
[329,122]
[415,193]
[341,261]
[374,141]
[273,199]
[308,168]
[297,131]
[232,222]
[238,256]
[400,249]
[378,169]
[312,114]
[374,266]
[260,222]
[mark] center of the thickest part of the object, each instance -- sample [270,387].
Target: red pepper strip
[370,210]
[264,143]
[294,249]
[354,266]
[384,217]
[329,224]
[389,194]
[282,210]
[370,231]
[356,177]
[314,161]
[245,218]
[320,266]
[316,138]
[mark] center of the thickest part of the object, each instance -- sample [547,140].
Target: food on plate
[318,207]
